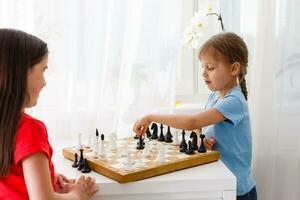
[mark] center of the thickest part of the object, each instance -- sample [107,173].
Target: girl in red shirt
[26,170]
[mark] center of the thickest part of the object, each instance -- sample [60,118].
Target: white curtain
[110,61]
[275,100]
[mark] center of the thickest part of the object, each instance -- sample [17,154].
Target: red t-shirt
[31,137]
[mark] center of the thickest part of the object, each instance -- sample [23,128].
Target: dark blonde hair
[19,52]
[231,48]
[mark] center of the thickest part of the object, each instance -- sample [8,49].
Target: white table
[206,182]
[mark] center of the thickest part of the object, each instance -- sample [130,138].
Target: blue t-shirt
[233,136]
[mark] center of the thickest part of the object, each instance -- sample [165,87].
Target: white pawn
[112,141]
[102,148]
[124,151]
[79,146]
[140,162]
[161,154]
[129,162]
[96,148]
[146,151]
[176,141]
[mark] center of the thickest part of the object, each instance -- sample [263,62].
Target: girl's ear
[235,69]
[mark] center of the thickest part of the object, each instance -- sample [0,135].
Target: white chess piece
[79,146]
[176,139]
[146,151]
[96,147]
[112,141]
[161,154]
[129,162]
[102,150]
[140,162]
[124,150]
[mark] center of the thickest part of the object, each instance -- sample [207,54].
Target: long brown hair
[19,52]
[233,49]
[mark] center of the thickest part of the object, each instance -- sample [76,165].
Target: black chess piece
[136,137]
[190,150]
[183,138]
[141,143]
[85,168]
[154,132]
[194,140]
[148,133]
[169,136]
[102,136]
[97,133]
[183,144]
[81,160]
[161,135]
[75,164]
[202,148]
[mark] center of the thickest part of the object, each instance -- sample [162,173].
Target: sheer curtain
[110,61]
[275,100]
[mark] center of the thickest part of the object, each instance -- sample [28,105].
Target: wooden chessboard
[115,168]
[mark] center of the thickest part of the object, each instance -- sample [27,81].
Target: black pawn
[202,148]
[136,137]
[194,140]
[141,143]
[154,132]
[161,135]
[85,168]
[190,150]
[75,164]
[169,136]
[148,133]
[183,138]
[81,160]
[183,144]
[97,133]
[102,136]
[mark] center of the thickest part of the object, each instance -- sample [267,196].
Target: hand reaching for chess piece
[209,143]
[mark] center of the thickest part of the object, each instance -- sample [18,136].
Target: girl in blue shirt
[225,121]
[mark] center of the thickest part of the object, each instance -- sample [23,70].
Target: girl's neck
[225,90]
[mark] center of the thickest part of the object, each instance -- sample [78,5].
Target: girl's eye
[210,67]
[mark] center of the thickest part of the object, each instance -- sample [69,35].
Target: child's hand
[61,183]
[209,143]
[84,187]
[141,125]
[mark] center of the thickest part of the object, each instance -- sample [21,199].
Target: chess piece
[161,153]
[124,152]
[102,148]
[161,136]
[190,150]
[112,141]
[96,145]
[85,168]
[154,132]
[183,138]
[140,143]
[176,139]
[148,133]
[183,144]
[79,146]
[194,140]
[81,160]
[202,148]
[140,162]
[169,136]
[75,164]
[136,137]
[129,162]
[146,151]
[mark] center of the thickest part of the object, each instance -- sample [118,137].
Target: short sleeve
[231,108]
[31,138]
